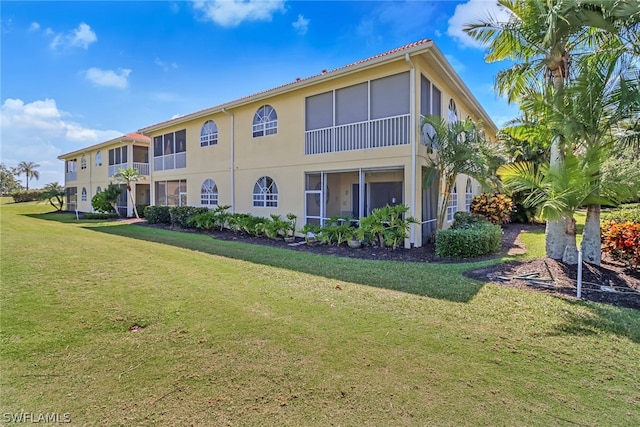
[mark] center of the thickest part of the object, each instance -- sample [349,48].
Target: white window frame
[83,162]
[98,190]
[209,193]
[265,193]
[209,134]
[468,195]
[83,195]
[265,122]
[99,158]
[452,207]
[452,112]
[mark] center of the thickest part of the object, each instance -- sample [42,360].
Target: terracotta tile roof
[136,135]
[299,80]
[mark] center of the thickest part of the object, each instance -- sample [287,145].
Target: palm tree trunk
[570,255]
[591,245]
[135,209]
[556,231]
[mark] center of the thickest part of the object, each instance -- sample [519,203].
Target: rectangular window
[436,102]
[169,151]
[352,104]
[319,111]
[390,96]
[171,193]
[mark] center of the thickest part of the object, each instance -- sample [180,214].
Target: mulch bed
[610,283]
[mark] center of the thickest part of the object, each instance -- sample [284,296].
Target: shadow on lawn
[441,281]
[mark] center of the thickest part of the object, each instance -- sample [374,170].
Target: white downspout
[412,133]
[233,161]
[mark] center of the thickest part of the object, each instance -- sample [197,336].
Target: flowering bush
[496,208]
[622,242]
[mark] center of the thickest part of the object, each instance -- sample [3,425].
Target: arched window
[98,190]
[468,195]
[83,196]
[209,133]
[209,193]
[83,162]
[452,207]
[265,122]
[99,158]
[265,193]
[452,114]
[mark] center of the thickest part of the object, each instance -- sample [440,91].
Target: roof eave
[121,139]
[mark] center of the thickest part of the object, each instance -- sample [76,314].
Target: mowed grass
[233,334]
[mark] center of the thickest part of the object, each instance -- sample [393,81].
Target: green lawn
[239,335]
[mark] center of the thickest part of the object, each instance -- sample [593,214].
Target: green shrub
[28,196]
[210,219]
[496,208]
[180,215]
[99,215]
[462,219]
[140,209]
[468,242]
[622,215]
[157,214]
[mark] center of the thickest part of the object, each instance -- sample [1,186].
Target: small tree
[127,176]
[455,148]
[54,194]
[29,169]
[107,200]
[8,181]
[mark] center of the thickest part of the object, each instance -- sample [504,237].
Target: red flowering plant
[496,207]
[622,242]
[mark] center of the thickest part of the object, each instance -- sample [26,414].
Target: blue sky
[77,73]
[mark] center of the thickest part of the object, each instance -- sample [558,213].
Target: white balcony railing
[387,132]
[113,169]
[170,161]
[143,168]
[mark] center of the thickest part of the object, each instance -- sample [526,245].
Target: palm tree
[127,176]
[29,171]
[455,148]
[545,37]
[600,99]
[54,194]
[557,192]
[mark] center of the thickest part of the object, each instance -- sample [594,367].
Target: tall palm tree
[29,169]
[455,148]
[544,37]
[600,98]
[127,176]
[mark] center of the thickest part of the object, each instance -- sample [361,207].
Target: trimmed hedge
[157,214]
[28,196]
[180,215]
[468,242]
[99,215]
[462,219]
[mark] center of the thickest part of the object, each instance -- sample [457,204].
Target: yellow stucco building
[341,143]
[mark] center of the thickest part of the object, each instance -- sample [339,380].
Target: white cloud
[109,78]
[231,13]
[301,25]
[82,36]
[165,65]
[472,12]
[39,132]
[34,26]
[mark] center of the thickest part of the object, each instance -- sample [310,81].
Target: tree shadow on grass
[441,281]
[624,322]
